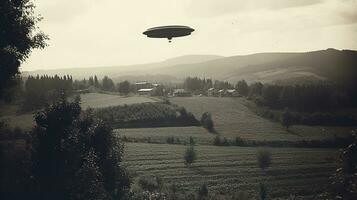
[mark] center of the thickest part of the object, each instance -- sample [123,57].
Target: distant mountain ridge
[330,64]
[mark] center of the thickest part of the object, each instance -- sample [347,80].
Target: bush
[264,158]
[76,156]
[262,191]
[207,122]
[192,142]
[239,141]
[190,155]
[203,191]
[217,141]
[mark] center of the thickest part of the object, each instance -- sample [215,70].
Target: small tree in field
[264,158]
[203,191]
[207,122]
[286,119]
[262,191]
[190,155]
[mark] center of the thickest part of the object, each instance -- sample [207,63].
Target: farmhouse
[212,92]
[146,91]
[143,85]
[232,93]
[181,93]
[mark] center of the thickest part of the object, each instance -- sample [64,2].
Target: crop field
[232,118]
[98,100]
[159,135]
[234,169]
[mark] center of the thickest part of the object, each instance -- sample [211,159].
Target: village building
[181,93]
[146,91]
[212,92]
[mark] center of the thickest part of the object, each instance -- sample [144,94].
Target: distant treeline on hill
[147,115]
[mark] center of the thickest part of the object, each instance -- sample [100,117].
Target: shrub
[286,119]
[190,155]
[239,141]
[264,158]
[262,191]
[170,140]
[203,191]
[217,141]
[192,142]
[207,122]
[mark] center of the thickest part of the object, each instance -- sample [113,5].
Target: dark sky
[88,33]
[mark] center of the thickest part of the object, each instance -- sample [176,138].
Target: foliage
[286,119]
[207,122]
[344,184]
[75,152]
[124,87]
[198,85]
[15,176]
[264,158]
[242,87]
[147,115]
[203,191]
[190,155]
[263,193]
[19,35]
[44,90]
[107,84]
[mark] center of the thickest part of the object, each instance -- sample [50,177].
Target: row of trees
[309,97]
[195,84]
[42,90]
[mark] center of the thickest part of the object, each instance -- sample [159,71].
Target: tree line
[198,85]
[41,90]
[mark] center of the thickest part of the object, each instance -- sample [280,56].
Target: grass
[99,100]
[93,100]
[231,169]
[232,118]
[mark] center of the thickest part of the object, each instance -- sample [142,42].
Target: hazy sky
[85,33]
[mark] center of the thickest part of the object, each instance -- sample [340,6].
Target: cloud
[212,8]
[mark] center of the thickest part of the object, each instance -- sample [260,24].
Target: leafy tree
[75,152]
[96,82]
[190,155]
[207,122]
[124,87]
[19,35]
[91,81]
[242,87]
[264,158]
[192,142]
[107,84]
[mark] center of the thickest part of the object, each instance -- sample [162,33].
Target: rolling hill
[331,64]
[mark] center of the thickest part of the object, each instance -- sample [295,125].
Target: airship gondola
[168,32]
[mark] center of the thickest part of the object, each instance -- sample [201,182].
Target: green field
[232,118]
[302,172]
[98,100]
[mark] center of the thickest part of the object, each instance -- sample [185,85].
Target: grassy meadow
[99,100]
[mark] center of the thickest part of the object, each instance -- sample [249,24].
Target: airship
[168,32]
